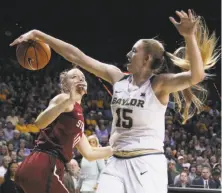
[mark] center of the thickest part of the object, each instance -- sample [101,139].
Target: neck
[140,78]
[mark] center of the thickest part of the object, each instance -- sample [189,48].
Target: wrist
[190,37]
[38,35]
[35,34]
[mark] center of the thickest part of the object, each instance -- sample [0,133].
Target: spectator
[4,152]
[5,162]
[10,148]
[12,118]
[71,176]
[102,132]
[22,147]
[192,174]
[15,140]
[8,131]
[179,165]
[216,176]
[14,156]
[204,181]
[186,167]
[183,180]
[21,126]
[9,186]
[172,169]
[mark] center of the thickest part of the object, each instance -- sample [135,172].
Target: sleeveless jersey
[138,117]
[63,134]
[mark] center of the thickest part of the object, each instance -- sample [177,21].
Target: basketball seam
[25,55]
[36,57]
[45,53]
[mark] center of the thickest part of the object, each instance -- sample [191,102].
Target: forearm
[76,56]
[99,153]
[92,153]
[68,51]
[195,58]
[50,114]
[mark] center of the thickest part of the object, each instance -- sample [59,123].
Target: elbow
[89,157]
[197,78]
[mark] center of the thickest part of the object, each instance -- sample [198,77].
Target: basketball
[33,55]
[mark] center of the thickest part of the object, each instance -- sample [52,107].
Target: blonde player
[140,100]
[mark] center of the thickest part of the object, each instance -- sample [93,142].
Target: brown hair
[178,62]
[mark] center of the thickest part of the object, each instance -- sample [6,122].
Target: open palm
[188,22]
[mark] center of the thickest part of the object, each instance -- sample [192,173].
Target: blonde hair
[195,95]
[94,137]
[63,79]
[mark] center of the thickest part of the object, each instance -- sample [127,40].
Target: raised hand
[24,38]
[187,25]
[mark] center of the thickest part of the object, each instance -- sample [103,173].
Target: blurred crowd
[193,150]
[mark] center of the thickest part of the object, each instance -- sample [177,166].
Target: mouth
[82,88]
[82,85]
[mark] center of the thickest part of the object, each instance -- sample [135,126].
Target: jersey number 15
[124,120]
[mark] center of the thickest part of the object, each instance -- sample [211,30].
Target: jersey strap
[152,78]
[124,77]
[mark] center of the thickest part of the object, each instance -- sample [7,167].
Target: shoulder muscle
[58,99]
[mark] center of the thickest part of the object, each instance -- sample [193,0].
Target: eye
[74,77]
[134,50]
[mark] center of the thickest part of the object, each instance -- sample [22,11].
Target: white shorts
[145,174]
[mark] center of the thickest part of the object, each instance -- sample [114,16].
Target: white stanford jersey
[138,117]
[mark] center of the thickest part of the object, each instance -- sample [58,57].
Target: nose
[81,78]
[129,54]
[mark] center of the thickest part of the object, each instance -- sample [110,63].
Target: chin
[129,68]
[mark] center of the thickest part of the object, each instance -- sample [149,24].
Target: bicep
[107,72]
[171,83]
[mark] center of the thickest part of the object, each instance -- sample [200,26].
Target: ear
[147,58]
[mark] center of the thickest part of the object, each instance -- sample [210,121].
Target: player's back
[138,117]
[63,134]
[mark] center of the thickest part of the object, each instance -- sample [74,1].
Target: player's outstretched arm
[91,154]
[71,53]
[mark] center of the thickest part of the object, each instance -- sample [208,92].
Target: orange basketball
[33,55]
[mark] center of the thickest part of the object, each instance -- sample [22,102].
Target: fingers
[18,41]
[15,42]
[190,14]
[184,14]
[180,14]
[173,21]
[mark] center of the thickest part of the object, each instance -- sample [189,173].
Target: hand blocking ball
[33,55]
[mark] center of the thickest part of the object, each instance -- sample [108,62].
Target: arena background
[105,30]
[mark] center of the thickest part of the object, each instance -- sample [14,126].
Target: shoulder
[59,98]
[115,73]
